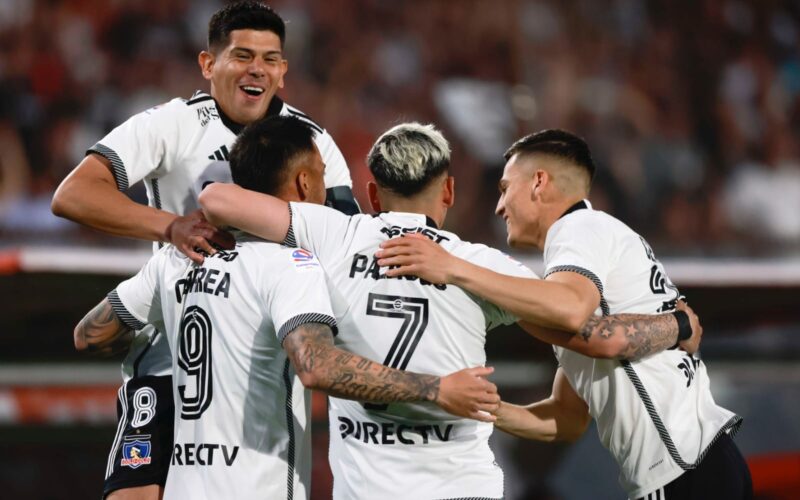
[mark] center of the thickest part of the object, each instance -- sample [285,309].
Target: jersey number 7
[414,313]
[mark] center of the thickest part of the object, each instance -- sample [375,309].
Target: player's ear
[303,185]
[206,61]
[449,191]
[284,69]
[372,193]
[538,183]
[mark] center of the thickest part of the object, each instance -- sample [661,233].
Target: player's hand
[192,234]
[467,393]
[692,344]
[415,255]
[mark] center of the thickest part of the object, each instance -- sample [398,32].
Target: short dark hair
[558,143]
[243,15]
[407,157]
[264,151]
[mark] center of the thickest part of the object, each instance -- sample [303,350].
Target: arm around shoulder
[256,213]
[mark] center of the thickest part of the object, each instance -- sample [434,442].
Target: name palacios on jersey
[367,265]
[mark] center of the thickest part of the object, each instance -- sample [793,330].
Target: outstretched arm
[320,365]
[89,196]
[565,301]
[255,213]
[624,336]
[563,416]
[102,332]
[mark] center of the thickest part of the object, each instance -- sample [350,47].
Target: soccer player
[240,326]
[656,415]
[412,451]
[176,149]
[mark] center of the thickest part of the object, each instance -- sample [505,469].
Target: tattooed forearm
[638,335]
[321,365]
[102,332]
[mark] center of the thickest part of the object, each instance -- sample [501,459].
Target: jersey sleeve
[136,301]
[144,145]
[319,229]
[577,245]
[298,293]
[497,261]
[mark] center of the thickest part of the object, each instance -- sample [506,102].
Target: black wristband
[684,326]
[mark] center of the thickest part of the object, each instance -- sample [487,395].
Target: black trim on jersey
[588,274]
[198,96]
[122,312]
[234,127]
[578,206]
[290,240]
[118,168]
[306,119]
[157,201]
[302,319]
[732,424]
[287,381]
[341,198]
[275,107]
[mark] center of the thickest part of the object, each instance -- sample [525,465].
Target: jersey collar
[274,109]
[428,221]
[578,206]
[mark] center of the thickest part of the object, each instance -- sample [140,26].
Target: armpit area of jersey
[341,198]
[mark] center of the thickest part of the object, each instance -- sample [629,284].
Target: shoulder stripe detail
[588,274]
[287,381]
[122,312]
[731,425]
[302,319]
[198,96]
[306,119]
[157,201]
[290,240]
[120,175]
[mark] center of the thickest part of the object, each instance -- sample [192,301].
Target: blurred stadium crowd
[692,107]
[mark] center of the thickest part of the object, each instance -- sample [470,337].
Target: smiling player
[176,149]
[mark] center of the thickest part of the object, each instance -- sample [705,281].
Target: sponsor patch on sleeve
[304,259]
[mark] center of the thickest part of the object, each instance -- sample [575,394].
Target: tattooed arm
[102,332]
[322,366]
[623,336]
[563,416]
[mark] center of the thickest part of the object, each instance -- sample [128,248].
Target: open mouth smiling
[252,90]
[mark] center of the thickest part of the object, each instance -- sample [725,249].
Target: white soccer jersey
[403,451]
[241,415]
[177,149]
[656,415]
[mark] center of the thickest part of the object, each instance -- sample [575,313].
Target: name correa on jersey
[242,416]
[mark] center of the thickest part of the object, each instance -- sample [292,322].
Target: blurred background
[691,107]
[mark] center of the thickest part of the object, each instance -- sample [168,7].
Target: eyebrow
[253,52]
